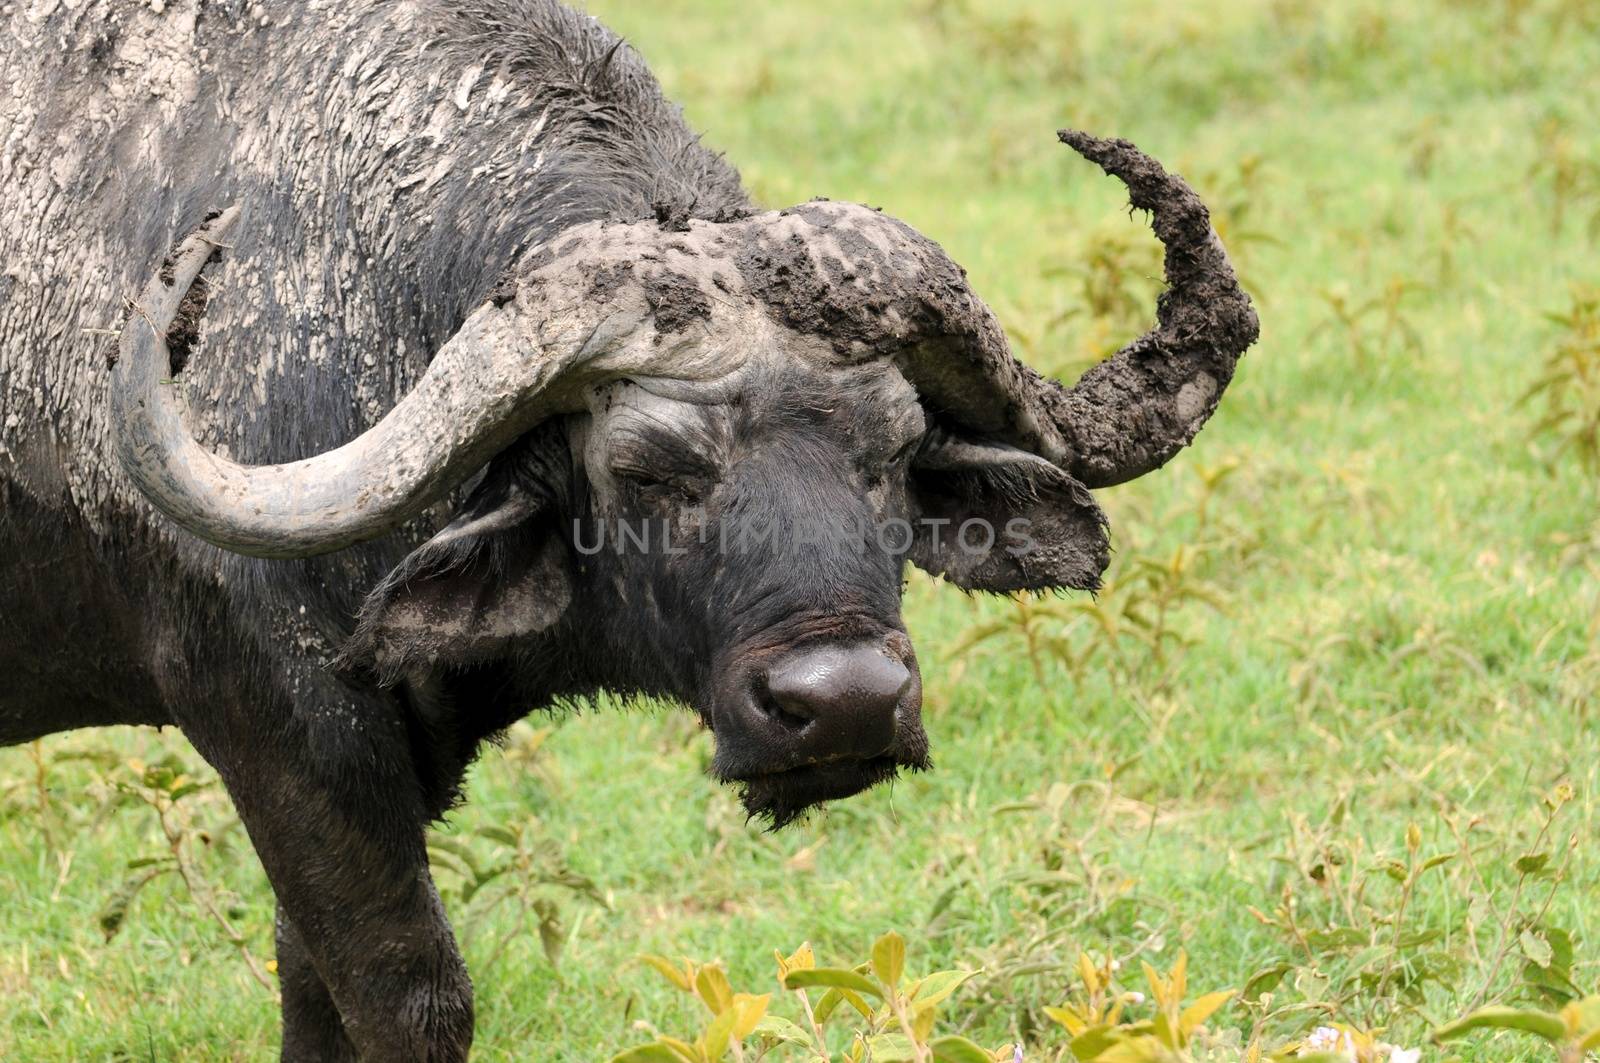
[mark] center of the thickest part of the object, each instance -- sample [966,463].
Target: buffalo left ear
[499,572]
[995,518]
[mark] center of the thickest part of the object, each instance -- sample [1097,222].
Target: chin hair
[781,799]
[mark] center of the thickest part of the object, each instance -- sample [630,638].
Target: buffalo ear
[499,572]
[1047,531]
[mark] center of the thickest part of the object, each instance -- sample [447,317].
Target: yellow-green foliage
[1569,386]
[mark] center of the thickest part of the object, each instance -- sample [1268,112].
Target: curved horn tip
[1086,144]
[1150,186]
[1131,413]
[1113,154]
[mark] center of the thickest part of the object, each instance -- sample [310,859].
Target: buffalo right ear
[1038,528]
[498,573]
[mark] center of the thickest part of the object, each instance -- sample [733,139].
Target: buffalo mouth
[816,720]
[781,797]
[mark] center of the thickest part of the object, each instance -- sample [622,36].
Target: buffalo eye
[657,486]
[879,469]
[908,450]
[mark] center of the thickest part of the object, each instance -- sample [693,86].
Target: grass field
[1363,607]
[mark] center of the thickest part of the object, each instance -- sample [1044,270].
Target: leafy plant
[167,788]
[1356,949]
[516,865]
[888,1017]
[1572,175]
[1096,1020]
[1107,1023]
[1569,382]
[1356,946]
[1375,325]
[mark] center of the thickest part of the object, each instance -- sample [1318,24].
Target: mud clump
[184,332]
[862,283]
[676,302]
[607,280]
[672,215]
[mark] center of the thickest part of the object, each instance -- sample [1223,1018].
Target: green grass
[1406,631]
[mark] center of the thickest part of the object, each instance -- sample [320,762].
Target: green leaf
[958,1050]
[1541,1023]
[937,987]
[834,997]
[1551,984]
[498,834]
[834,977]
[1532,863]
[1561,946]
[892,1048]
[711,986]
[471,889]
[116,908]
[1095,1040]
[1418,937]
[1138,1050]
[1201,1010]
[652,1053]
[831,1000]
[1265,981]
[668,970]
[552,935]
[778,1028]
[464,856]
[683,1048]
[889,958]
[719,1033]
[1536,948]
[1161,1027]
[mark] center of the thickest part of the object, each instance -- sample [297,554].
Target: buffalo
[479,382]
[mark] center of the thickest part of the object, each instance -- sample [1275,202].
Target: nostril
[788,712]
[843,699]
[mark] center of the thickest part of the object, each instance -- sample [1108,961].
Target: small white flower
[1135,998]
[1322,1039]
[1327,1039]
[1403,1055]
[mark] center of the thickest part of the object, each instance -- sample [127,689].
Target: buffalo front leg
[313,1032]
[345,853]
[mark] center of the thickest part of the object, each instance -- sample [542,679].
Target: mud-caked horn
[1131,413]
[577,315]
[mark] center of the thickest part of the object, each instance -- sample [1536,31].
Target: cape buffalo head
[696,458]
